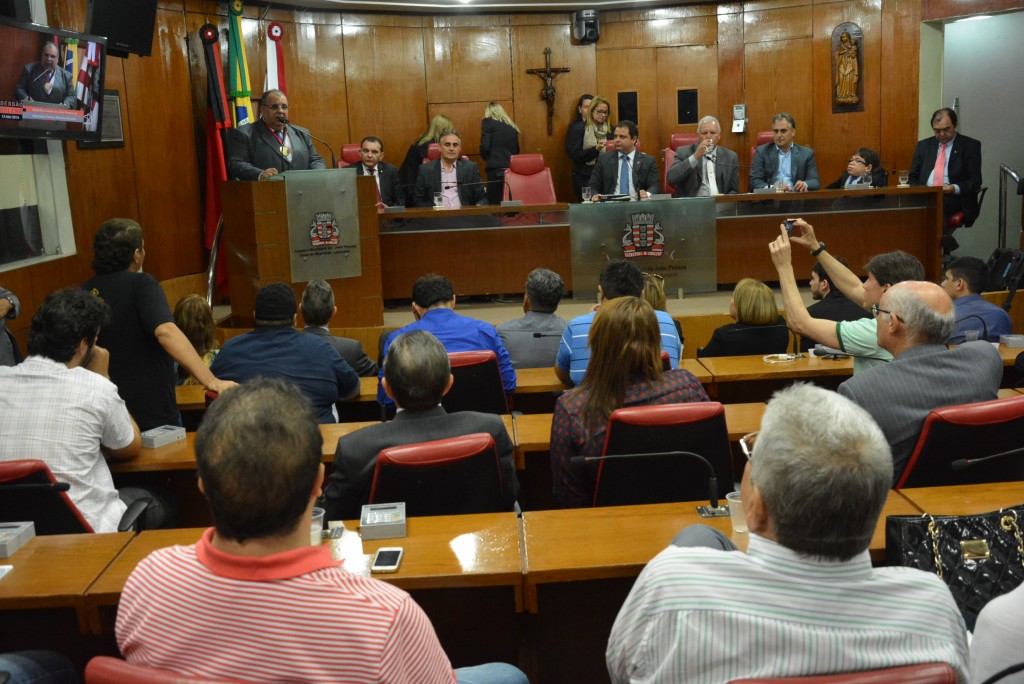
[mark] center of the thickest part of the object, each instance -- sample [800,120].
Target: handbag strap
[933,532]
[1008,522]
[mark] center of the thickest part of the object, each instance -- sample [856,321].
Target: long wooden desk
[745,368]
[966,499]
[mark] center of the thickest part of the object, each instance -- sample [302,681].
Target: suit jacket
[31,85]
[391,192]
[467,177]
[350,350]
[686,179]
[741,339]
[253,148]
[879,179]
[604,179]
[356,456]
[9,352]
[498,142]
[964,171]
[766,165]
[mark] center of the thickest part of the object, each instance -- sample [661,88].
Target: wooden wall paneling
[776,23]
[684,67]
[468,64]
[778,78]
[731,89]
[698,30]
[528,43]
[837,136]
[315,68]
[467,117]
[394,20]
[617,71]
[932,10]
[21,48]
[900,62]
[767,5]
[386,86]
[166,167]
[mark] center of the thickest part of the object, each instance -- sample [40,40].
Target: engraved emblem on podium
[643,236]
[323,231]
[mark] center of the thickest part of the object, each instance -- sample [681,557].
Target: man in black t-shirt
[831,304]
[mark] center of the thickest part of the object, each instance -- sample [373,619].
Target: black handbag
[979,556]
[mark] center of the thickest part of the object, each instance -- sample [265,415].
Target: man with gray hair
[783,163]
[532,340]
[417,374]
[704,169]
[318,308]
[804,599]
[914,321]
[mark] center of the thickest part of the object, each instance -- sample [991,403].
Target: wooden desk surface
[966,499]
[737,368]
[1007,392]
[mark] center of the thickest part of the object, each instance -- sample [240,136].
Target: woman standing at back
[439,125]
[499,140]
[574,147]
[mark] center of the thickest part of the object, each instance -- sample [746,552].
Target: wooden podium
[257,245]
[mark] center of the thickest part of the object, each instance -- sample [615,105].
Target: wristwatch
[821,248]
[14,307]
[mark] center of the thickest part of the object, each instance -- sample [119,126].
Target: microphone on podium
[334,161]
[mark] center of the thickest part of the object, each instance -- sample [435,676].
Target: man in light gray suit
[697,165]
[318,309]
[532,341]
[915,319]
[784,161]
[417,374]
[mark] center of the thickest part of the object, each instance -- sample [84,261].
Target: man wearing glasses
[864,168]
[272,145]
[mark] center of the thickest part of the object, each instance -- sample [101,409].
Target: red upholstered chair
[527,179]
[433,152]
[675,142]
[444,477]
[349,155]
[659,472]
[107,670]
[923,673]
[959,219]
[478,385]
[953,436]
[762,138]
[29,491]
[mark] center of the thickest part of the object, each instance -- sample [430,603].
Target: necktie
[712,182]
[373,173]
[939,174]
[624,176]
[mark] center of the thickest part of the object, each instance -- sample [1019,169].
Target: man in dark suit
[389,188]
[864,168]
[272,145]
[627,172]
[417,375]
[46,81]
[961,179]
[318,309]
[458,180]
[704,169]
[783,161]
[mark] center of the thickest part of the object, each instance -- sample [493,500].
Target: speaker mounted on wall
[127,26]
[585,27]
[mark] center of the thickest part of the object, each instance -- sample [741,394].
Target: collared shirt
[292,616]
[969,309]
[785,173]
[574,354]
[705,615]
[450,187]
[62,415]
[860,339]
[945,173]
[367,171]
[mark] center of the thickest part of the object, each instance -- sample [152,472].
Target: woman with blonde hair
[654,294]
[625,369]
[439,126]
[499,140]
[195,318]
[759,329]
[597,131]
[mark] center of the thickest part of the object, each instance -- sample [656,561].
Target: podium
[305,225]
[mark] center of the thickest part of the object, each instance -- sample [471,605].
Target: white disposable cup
[971,335]
[739,518]
[316,527]
[438,200]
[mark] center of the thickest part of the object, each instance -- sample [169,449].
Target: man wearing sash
[272,145]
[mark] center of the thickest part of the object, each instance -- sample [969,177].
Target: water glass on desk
[316,527]
[736,512]
[438,200]
[972,335]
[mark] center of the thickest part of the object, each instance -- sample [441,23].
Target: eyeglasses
[747,442]
[875,310]
[603,112]
[857,160]
[277,107]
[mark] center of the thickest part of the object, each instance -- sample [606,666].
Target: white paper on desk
[4,569]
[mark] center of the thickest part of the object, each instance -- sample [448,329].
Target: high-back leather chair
[478,385]
[675,142]
[433,152]
[527,179]
[923,673]
[349,155]
[659,474]
[108,670]
[444,477]
[762,138]
[953,436]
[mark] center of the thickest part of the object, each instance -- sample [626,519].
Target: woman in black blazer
[439,126]
[574,147]
[499,140]
[759,329]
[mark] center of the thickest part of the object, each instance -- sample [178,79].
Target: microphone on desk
[540,334]
[712,477]
[334,161]
[966,463]
[964,336]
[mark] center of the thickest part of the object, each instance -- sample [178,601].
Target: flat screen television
[51,82]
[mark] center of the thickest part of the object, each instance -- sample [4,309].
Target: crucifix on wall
[548,93]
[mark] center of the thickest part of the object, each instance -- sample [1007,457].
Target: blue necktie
[624,176]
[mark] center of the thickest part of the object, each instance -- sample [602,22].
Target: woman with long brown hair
[625,369]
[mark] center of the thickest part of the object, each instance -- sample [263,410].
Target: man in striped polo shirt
[804,598]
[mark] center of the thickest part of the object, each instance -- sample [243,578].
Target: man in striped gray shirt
[804,598]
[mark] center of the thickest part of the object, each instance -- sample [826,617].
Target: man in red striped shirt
[252,599]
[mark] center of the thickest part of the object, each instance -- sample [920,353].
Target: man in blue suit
[785,161]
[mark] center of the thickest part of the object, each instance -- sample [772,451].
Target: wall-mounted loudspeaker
[128,26]
[585,27]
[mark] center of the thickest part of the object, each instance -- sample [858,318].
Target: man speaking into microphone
[626,172]
[458,180]
[272,145]
[46,81]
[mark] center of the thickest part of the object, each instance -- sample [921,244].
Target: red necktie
[373,174]
[939,174]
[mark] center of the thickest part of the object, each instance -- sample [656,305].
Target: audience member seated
[417,375]
[433,306]
[625,370]
[965,279]
[617,279]
[10,307]
[195,319]
[318,308]
[804,599]
[859,337]
[914,321]
[532,340]
[864,168]
[654,294]
[998,635]
[275,349]
[252,599]
[759,329]
[830,302]
[142,338]
[60,406]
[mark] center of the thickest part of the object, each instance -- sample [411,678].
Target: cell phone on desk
[387,559]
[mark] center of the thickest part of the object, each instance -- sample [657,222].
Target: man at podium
[45,81]
[272,145]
